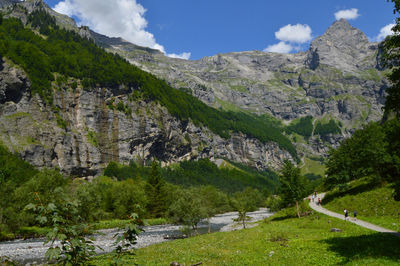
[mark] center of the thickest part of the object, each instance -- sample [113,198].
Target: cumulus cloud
[114,18]
[385,31]
[291,37]
[294,33]
[347,14]
[280,47]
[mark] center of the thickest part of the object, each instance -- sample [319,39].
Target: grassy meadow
[279,240]
[376,205]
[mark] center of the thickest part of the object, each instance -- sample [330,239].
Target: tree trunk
[298,209]
[244,223]
[209,225]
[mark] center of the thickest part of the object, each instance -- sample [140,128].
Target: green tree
[156,192]
[246,201]
[292,185]
[391,54]
[213,200]
[361,155]
[391,48]
[187,209]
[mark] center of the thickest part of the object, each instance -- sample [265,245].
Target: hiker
[355,215]
[346,214]
[315,193]
[313,197]
[319,201]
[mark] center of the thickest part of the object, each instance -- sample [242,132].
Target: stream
[32,251]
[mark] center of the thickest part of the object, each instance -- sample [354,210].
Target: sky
[192,29]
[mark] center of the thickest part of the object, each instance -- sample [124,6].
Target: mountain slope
[323,94]
[339,77]
[70,105]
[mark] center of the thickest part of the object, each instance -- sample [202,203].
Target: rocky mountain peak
[342,33]
[342,46]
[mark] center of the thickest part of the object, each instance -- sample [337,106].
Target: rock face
[97,133]
[338,76]
[13,83]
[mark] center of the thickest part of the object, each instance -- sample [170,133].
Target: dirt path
[370,226]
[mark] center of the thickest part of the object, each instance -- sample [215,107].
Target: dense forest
[203,172]
[121,190]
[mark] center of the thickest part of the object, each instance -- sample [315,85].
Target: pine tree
[156,192]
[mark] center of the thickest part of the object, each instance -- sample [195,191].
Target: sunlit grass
[280,240]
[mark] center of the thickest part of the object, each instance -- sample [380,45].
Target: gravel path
[32,251]
[320,209]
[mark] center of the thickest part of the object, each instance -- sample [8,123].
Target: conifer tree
[156,192]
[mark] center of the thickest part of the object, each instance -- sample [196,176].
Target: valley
[98,134]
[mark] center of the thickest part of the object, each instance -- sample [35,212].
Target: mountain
[338,78]
[81,123]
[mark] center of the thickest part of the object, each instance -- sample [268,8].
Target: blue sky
[189,28]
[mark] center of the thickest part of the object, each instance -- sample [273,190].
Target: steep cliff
[89,131]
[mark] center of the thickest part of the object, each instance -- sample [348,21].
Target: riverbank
[283,239]
[32,251]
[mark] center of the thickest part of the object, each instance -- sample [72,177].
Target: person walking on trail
[313,197]
[355,215]
[319,201]
[346,214]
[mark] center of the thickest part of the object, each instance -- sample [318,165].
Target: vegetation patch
[68,54]
[92,137]
[323,129]
[18,115]
[302,126]
[313,166]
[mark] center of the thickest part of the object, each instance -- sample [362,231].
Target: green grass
[280,240]
[376,206]
[313,167]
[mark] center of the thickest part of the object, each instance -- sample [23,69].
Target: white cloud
[114,18]
[280,47]
[180,56]
[347,14]
[385,31]
[294,33]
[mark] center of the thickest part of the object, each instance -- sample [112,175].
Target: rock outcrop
[97,133]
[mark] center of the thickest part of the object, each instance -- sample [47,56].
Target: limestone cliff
[93,132]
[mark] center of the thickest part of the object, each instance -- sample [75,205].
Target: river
[32,251]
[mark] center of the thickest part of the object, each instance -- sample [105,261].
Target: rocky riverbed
[32,251]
